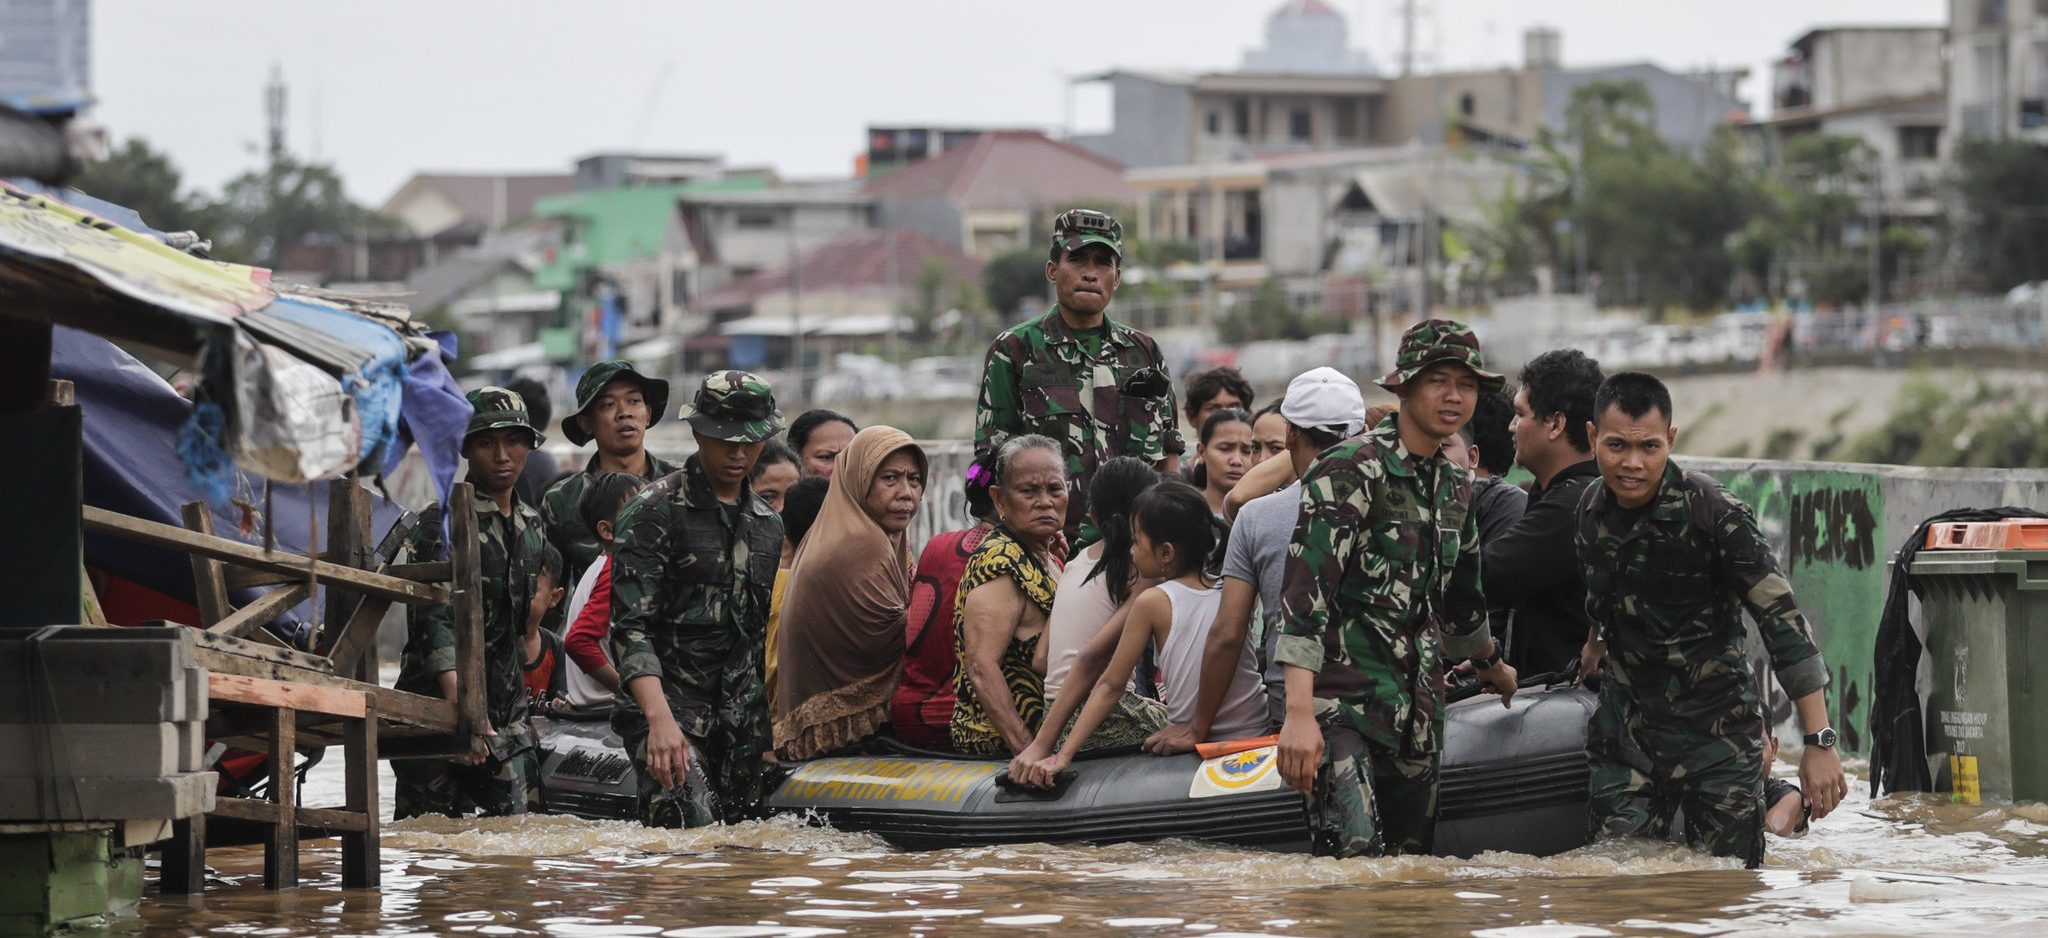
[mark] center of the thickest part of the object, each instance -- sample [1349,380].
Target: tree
[1013,277]
[140,177]
[264,212]
[2001,187]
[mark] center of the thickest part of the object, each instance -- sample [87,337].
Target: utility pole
[1408,17]
[796,306]
[1874,236]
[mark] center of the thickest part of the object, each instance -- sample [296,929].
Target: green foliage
[1160,253]
[1782,442]
[140,177]
[1013,277]
[2003,231]
[1270,315]
[1910,429]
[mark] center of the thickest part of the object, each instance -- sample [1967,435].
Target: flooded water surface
[1900,865]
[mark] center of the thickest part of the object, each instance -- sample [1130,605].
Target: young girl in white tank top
[1172,541]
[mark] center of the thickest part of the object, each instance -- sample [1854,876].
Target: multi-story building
[46,47]
[1883,85]
[1997,70]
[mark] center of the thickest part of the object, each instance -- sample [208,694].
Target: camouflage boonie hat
[1078,227]
[496,408]
[605,372]
[736,406]
[1439,340]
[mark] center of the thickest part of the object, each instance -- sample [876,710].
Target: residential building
[1342,214]
[1998,70]
[997,191]
[733,233]
[46,47]
[843,292]
[1883,85]
[617,170]
[488,294]
[892,148]
[1166,119]
[465,206]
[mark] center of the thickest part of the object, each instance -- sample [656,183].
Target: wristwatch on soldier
[1825,739]
[1487,661]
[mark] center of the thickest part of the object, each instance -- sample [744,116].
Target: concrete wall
[1150,123]
[1687,108]
[1854,66]
[1834,525]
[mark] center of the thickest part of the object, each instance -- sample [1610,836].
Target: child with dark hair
[775,471]
[591,681]
[544,648]
[1097,580]
[800,507]
[1173,540]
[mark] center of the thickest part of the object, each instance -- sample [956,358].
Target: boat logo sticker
[1251,770]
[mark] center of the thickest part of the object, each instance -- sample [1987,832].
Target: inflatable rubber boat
[1514,779]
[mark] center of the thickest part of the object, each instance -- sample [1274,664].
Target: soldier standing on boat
[1096,386]
[509,545]
[615,405]
[1382,582]
[693,563]
[1671,560]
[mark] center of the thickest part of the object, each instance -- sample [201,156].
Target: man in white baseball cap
[1322,408]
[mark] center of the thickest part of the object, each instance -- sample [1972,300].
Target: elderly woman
[1005,596]
[849,593]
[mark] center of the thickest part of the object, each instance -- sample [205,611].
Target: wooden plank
[361,851]
[428,571]
[265,692]
[241,579]
[394,707]
[184,867]
[245,809]
[467,616]
[252,617]
[102,521]
[430,747]
[347,534]
[358,633]
[332,821]
[209,583]
[63,393]
[281,854]
[259,651]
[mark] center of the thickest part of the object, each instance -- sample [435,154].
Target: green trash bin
[1986,613]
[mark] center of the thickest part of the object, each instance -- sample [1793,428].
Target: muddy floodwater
[1899,865]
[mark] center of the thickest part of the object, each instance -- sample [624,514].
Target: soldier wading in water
[693,565]
[1671,560]
[1382,580]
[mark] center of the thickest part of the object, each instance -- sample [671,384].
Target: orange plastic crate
[2010,534]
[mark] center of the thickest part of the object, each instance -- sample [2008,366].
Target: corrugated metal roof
[1009,170]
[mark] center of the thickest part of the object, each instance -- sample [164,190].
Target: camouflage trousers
[506,783]
[1643,777]
[691,804]
[1133,719]
[1371,801]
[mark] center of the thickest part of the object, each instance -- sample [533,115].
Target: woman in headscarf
[849,591]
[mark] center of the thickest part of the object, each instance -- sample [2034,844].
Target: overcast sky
[384,88]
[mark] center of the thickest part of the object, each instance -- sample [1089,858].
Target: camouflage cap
[1439,340]
[1077,227]
[593,383]
[736,406]
[495,408]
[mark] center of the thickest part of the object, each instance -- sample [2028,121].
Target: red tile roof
[852,260]
[1009,169]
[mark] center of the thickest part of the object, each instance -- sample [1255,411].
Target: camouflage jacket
[691,579]
[1101,396]
[562,509]
[508,549]
[1381,583]
[1668,593]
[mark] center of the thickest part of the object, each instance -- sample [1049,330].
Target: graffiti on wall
[1826,528]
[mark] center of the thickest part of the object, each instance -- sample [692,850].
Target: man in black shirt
[1531,567]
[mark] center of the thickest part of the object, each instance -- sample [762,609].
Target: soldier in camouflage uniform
[1381,583]
[509,546]
[614,406]
[692,567]
[1093,384]
[1671,560]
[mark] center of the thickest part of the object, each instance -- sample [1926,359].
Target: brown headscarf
[844,611]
